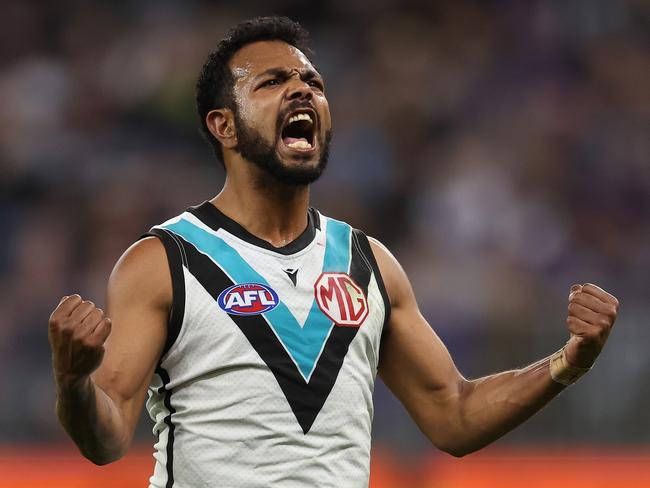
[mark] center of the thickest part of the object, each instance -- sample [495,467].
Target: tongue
[290,140]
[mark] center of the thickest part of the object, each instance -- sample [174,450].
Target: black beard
[252,147]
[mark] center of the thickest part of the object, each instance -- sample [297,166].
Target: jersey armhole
[365,248]
[176,260]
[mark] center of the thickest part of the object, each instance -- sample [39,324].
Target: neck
[272,211]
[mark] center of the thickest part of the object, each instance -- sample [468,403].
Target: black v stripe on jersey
[306,399]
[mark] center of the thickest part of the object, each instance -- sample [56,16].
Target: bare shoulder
[397,284]
[142,273]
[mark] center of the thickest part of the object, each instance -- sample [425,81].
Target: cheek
[258,116]
[248,113]
[255,112]
[327,119]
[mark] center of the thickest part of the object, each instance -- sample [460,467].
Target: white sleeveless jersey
[267,376]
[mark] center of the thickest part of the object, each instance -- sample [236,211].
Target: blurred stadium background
[500,148]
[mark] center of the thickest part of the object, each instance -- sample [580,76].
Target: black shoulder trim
[164,376]
[177,259]
[215,219]
[364,246]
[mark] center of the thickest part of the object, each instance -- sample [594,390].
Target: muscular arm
[102,379]
[460,416]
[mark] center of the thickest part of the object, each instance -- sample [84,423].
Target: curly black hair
[214,88]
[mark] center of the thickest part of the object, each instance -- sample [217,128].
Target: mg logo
[341,299]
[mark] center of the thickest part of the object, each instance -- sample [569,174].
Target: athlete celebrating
[257,325]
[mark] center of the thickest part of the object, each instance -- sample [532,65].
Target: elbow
[101,460]
[458,443]
[454,448]
[455,437]
[457,451]
[102,457]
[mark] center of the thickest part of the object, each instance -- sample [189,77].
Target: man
[257,325]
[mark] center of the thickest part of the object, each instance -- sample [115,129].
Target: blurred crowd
[500,149]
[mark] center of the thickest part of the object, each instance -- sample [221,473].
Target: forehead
[257,57]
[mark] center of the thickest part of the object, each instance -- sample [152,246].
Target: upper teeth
[297,117]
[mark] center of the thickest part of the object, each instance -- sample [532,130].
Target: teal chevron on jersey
[304,344]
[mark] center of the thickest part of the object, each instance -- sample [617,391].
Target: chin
[297,171]
[300,161]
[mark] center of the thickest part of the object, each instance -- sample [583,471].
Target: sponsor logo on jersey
[248,299]
[341,299]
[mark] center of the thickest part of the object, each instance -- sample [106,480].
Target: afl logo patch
[248,299]
[341,299]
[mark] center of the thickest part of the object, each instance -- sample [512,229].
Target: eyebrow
[305,74]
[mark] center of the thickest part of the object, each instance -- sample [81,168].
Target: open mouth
[299,130]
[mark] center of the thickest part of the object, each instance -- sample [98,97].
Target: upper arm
[414,363]
[139,299]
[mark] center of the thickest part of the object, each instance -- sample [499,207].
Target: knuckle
[95,315]
[66,332]
[94,343]
[68,323]
[104,327]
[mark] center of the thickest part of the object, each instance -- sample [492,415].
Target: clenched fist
[592,312]
[77,332]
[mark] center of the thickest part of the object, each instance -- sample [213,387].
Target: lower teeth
[300,145]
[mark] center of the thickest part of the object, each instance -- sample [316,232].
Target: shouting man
[257,325]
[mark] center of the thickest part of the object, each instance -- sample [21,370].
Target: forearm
[489,407]
[93,421]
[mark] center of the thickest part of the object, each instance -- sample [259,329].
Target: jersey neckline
[216,219]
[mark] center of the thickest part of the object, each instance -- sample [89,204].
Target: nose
[298,90]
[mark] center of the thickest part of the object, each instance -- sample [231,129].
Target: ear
[221,124]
